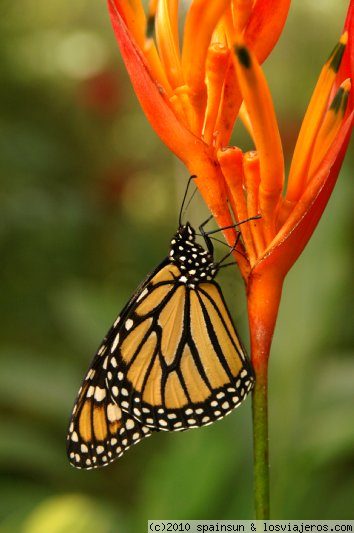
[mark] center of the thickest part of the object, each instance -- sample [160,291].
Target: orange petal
[229,107]
[230,160]
[265,26]
[312,123]
[296,232]
[134,18]
[347,66]
[252,178]
[154,103]
[242,10]
[259,105]
[201,20]
[330,126]
[216,68]
[167,41]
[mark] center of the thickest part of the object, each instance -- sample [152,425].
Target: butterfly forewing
[180,363]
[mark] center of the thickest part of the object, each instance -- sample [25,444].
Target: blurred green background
[89,201]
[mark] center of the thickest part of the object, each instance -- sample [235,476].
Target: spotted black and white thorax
[195,263]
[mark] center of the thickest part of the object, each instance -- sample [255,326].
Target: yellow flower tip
[336,56]
[330,127]
[316,120]
[344,38]
[251,155]
[340,100]
[347,85]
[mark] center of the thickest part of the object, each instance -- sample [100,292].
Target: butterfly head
[195,263]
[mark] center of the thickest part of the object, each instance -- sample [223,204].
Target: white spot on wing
[141,295]
[100,394]
[113,412]
[115,343]
[130,423]
[129,323]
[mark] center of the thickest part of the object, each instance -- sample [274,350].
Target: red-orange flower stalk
[192,92]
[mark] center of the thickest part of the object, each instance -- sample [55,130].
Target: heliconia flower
[193,92]
[189,91]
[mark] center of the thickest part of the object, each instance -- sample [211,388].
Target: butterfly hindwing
[100,431]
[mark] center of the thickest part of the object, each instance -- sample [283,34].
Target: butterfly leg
[205,234]
[232,249]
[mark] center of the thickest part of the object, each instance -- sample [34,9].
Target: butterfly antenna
[184,199]
[233,225]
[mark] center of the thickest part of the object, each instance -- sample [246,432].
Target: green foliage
[89,200]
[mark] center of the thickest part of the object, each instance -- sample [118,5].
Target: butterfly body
[171,361]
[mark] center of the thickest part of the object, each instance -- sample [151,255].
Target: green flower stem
[263,296]
[261,445]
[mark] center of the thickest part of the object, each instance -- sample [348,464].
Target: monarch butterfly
[171,361]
